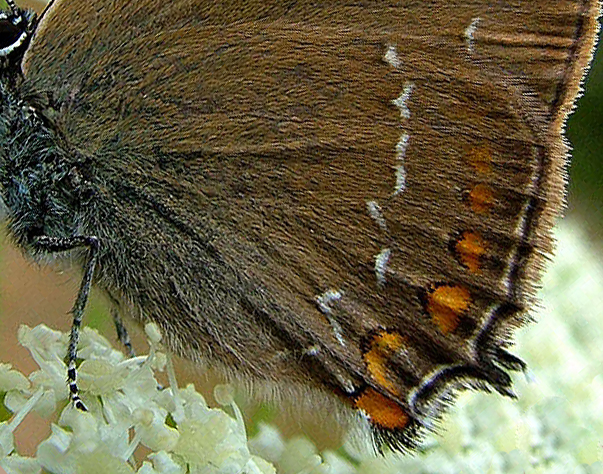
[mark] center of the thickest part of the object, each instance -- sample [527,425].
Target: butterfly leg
[59,244]
[120,328]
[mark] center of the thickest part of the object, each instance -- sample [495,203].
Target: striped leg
[59,244]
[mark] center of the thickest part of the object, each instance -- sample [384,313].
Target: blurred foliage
[585,131]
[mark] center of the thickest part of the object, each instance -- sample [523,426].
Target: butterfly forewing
[355,198]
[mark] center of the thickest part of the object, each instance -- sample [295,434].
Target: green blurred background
[585,131]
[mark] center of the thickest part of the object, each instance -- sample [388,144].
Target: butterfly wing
[357,198]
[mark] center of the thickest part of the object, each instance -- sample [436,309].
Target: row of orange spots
[447,303]
[382,410]
[471,246]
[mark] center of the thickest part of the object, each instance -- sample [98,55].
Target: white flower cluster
[127,409]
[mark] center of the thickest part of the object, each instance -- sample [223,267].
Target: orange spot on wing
[470,248]
[481,159]
[446,304]
[382,347]
[481,198]
[381,410]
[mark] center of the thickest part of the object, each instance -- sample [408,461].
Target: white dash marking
[400,102]
[469,34]
[375,212]
[381,261]
[400,179]
[325,304]
[346,383]
[327,299]
[401,147]
[338,331]
[391,57]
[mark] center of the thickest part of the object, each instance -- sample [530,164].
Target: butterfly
[347,202]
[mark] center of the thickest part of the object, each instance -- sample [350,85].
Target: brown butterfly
[350,201]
